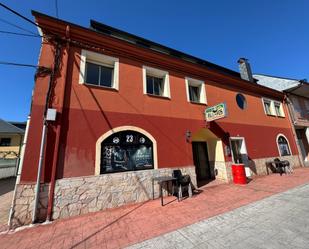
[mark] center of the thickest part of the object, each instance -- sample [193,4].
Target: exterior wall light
[188,135]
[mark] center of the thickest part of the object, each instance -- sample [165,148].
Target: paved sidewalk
[128,225]
[279,221]
[6,194]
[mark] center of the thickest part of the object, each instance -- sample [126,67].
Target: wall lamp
[188,135]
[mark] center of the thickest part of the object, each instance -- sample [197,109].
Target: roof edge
[245,84]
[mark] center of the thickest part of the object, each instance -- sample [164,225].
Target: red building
[129,109]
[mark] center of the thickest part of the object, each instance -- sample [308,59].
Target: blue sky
[273,35]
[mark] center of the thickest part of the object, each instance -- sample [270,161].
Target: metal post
[37,187]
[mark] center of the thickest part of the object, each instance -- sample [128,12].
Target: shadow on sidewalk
[108,225]
[7,185]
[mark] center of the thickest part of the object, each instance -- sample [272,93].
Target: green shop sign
[216,112]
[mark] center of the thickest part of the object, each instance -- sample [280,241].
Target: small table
[161,180]
[280,166]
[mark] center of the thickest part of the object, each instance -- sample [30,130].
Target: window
[99,75]
[283,146]
[195,91]
[99,70]
[241,101]
[126,151]
[267,107]
[273,108]
[156,82]
[278,109]
[5,141]
[155,85]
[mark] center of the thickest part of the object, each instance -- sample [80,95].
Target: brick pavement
[278,221]
[6,195]
[117,228]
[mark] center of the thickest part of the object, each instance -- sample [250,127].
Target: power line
[21,34]
[16,26]
[20,15]
[27,19]
[18,64]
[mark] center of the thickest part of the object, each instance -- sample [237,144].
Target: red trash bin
[239,174]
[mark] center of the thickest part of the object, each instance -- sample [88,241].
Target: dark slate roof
[101,28]
[145,43]
[6,127]
[20,125]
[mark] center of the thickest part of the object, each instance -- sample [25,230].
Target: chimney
[245,69]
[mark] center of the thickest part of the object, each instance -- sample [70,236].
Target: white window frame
[197,83]
[279,135]
[272,107]
[160,74]
[272,111]
[99,59]
[243,147]
[280,108]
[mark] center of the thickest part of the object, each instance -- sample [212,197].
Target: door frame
[244,143]
[244,146]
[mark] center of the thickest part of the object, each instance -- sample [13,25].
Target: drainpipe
[19,151]
[44,130]
[58,129]
[22,152]
[37,186]
[290,115]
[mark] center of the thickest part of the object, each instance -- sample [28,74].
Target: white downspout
[22,152]
[37,186]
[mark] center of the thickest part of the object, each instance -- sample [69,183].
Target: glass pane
[284,147]
[149,84]
[142,157]
[126,151]
[92,73]
[106,76]
[157,85]
[267,107]
[5,142]
[241,101]
[236,145]
[277,108]
[194,93]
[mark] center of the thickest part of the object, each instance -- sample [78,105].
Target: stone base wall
[259,166]
[80,195]
[24,201]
